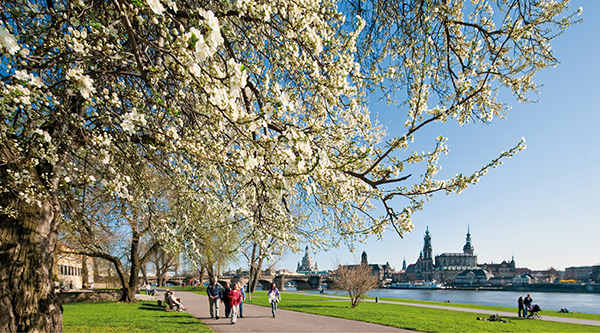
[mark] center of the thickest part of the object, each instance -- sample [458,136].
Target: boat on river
[418,285]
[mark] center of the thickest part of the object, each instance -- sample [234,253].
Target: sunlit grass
[416,318]
[127,317]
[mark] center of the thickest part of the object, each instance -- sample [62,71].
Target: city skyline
[541,205]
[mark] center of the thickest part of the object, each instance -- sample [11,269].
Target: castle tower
[427,252]
[427,249]
[363,260]
[469,248]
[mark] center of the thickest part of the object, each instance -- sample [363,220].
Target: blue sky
[542,206]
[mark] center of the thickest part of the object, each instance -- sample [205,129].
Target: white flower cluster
[130,119]
[43,134]
[8,42]
[156,6]
[237,77]
[84,83]
[200,47]
[214,39]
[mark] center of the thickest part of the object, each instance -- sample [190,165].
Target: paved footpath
[259,319]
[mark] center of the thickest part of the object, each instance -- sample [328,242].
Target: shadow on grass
[152,307]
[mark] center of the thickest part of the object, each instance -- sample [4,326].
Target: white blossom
[8,42]
[156,6]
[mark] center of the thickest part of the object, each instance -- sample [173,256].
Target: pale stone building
[307,263]
[71,271]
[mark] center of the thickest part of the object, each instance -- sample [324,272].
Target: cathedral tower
[427,252]
[468,248]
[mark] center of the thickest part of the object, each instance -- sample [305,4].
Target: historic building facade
[447,266]
[503,269]
[71,271]
[384,272]
[307,263]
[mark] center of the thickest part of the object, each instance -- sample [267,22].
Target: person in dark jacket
[521,306]
[225,299]
[527,302]
[215,293]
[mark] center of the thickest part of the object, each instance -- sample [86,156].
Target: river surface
[575,302]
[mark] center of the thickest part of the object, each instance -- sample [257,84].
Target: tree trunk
[27,243]
[144,273]
[210,271]
[84,271]
[255,267]
[130,287]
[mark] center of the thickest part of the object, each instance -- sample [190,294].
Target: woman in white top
[274,297]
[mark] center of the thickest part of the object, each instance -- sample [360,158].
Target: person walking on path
[225,300]
[235,298]
[521,306]
[215,293]
[527,303]
[274,297]
[242,302]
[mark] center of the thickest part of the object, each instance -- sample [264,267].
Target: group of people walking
[233,298]
[525,304]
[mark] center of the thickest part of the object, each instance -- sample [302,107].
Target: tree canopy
[255,113]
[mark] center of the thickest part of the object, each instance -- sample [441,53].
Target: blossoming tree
[254,110]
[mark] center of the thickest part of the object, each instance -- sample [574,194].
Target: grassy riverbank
[418,318]
[578,315]
[123,317]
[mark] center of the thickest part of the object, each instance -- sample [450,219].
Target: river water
[575,302]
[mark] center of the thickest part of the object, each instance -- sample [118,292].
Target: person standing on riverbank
[527,302]
[521,306]
[274,297]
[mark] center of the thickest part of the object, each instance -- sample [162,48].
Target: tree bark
[27,243]
[130,287]
[256,262]
[85,271]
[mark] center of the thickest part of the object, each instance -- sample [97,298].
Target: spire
[364,260]
[427,249]
[469,248]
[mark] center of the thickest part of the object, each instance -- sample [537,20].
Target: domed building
[307,264]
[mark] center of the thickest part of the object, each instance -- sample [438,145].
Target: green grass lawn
[414,318]
[123,317]
[578,315]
